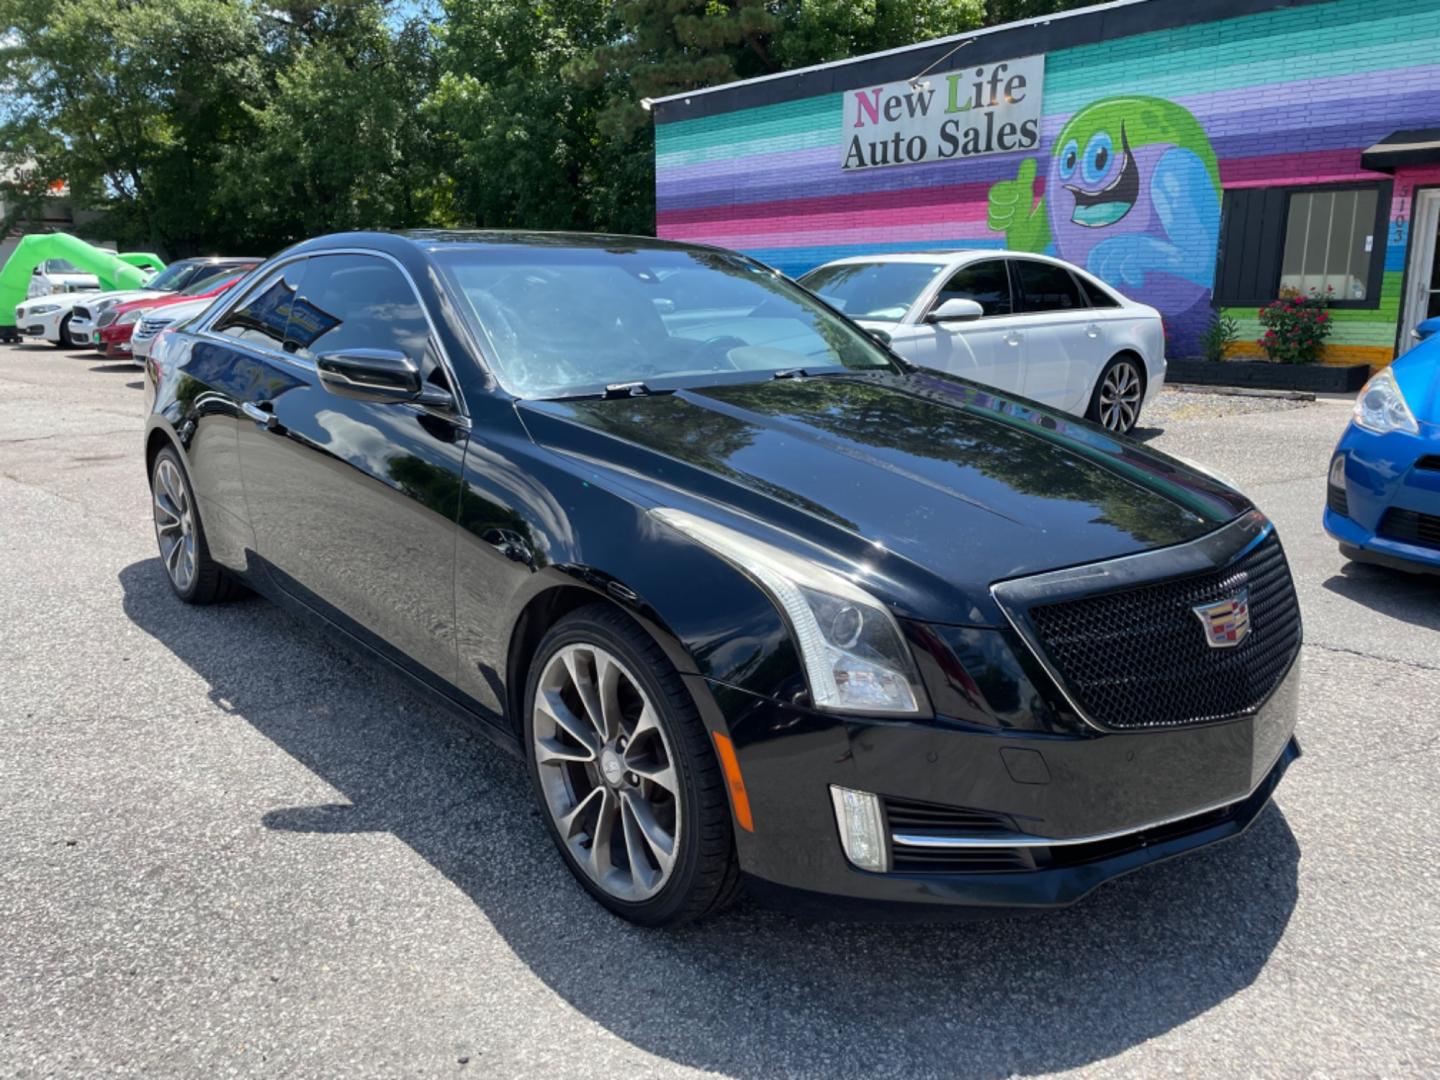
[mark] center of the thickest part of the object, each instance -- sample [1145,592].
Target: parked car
[755,599]
[157,320]
[117,326]
[1425,328]
[59,276]
[1025,324]
[1383,497]
[86,310]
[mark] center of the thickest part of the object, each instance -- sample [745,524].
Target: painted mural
[1291,96]
[1132,194]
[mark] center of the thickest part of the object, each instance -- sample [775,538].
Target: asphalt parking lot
[228,847]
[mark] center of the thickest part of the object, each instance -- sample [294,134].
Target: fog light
[1337,472]
[862,828]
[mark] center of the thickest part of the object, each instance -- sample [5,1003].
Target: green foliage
[242,125]
[1217,338]
[1296,326]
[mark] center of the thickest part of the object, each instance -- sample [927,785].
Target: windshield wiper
[626,389]
[790,373]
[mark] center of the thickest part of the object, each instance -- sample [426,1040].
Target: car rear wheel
[195,577]
[621,763]
[1115,404]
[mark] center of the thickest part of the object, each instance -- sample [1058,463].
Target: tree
[131,104]
[339,141]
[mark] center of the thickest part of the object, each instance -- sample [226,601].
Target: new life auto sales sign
[987,109]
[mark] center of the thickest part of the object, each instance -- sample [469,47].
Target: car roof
[432,240]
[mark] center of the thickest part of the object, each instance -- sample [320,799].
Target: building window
[1303,238]
[1329,238]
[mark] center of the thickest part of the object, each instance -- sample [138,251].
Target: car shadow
[1145,434]
[753,992]
[1412,598]
[126,368]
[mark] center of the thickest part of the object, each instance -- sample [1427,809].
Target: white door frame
[1424,224]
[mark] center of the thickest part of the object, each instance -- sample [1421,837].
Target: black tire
[1122,420]
[64,342]
[706,874]
[209,584]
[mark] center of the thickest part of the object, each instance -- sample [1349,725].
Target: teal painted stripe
[1299,43]
[818,116]
[1344,38]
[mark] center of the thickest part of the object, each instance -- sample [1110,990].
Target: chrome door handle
[1092,330]
[264,417]
[1012,338]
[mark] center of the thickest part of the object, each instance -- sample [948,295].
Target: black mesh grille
[1336,500]
[921,819]
[1411,527]
[1140,658]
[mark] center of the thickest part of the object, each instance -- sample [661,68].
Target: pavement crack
[1373,656]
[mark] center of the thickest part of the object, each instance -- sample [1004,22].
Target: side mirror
[882,336]
[383,376]
[955,310]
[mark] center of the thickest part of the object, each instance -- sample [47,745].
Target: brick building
[1194,155]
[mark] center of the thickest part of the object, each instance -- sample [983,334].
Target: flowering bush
[1296,326]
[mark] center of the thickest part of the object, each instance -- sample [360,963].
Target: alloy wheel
[174,524]
[1120,397]
[607,770]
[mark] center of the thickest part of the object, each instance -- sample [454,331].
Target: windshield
[561,321]
[881,291]
[61,266]
[166,280]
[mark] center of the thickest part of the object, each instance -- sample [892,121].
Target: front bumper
[45,327]
[1067,812]
[1383,473]
[115,340]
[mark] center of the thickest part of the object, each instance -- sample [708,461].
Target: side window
[1096,296]
[261,316]
[1045,287]
[986,283]
[359,302]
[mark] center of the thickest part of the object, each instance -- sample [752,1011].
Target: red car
[118,324]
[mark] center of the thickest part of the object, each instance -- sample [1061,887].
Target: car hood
[932,486]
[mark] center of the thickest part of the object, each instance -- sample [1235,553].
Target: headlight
[854,655]
[1381,406]
[104,305]
[44,309]
[128,318]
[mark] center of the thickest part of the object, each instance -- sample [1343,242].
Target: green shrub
[1222,332]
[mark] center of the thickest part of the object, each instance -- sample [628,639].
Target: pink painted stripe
[972,228]
[1314,167]
[969,212]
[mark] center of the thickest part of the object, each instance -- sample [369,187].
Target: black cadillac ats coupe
[759,604]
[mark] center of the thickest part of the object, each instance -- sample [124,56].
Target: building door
[1422,290]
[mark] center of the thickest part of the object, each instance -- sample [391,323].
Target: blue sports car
[1383,498]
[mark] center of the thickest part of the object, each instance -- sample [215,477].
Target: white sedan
[1026,324]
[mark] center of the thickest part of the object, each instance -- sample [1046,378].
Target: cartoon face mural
[1131,193]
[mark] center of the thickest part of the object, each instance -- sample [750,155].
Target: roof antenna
[917,85]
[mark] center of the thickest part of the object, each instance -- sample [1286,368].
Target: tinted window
[358,302]
[1095,296]
[1045,287]
[986,283]
[262,315]
[882,292]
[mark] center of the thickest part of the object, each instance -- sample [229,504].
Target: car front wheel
[63,338]
[621,763]
[1115,404]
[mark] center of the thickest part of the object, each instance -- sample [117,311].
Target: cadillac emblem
[1226,622]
